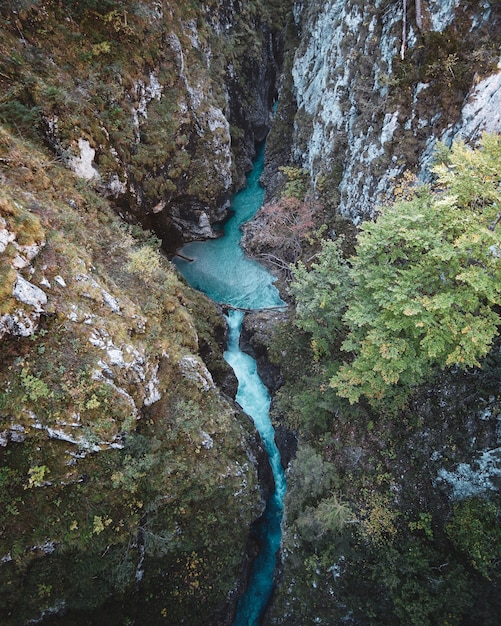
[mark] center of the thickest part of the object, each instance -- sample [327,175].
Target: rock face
[374,93]
[255,339]
[112,402]
[120,455]
[129,480]
[372,89]
[167,121]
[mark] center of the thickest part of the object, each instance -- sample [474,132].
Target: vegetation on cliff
[391,369]
[365,111]
[424,286]
[128,480]
[121,461]
[162,101]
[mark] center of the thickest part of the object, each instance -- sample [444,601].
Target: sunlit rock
[83,164]
[195,370]
[29,294]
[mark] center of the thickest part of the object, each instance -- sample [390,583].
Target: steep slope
[121,459]
[392,515]
[375,88]
[159,104]
[129,480]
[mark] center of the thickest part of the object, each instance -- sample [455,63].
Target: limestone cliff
[120,458]
[390,519]
[375,86]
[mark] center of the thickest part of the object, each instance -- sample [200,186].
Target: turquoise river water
[220,269]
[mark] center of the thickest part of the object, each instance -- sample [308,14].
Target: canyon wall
[382,511]
[376,89]
[159,105]
[129,477]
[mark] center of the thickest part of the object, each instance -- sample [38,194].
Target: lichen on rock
[118,448]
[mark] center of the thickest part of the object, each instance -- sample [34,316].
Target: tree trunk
[404,30]
[419,15]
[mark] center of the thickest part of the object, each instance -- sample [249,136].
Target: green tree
[427,279]
[322,292]
[311,478]
[474,530]
[424,287]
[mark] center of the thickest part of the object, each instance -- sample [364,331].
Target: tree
[322,292]
[426,281]
[419,15]
[286,225]
[419,24]
[474,530]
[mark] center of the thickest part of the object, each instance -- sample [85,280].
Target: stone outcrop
[188,94]
[119,449]
[374,95]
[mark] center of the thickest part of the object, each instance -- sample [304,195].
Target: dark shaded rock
[255,340]
[286,440]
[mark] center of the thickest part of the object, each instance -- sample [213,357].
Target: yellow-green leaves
[426,281]
[322,294]
[424,286]
[144,261]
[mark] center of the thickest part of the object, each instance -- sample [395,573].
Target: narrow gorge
[220,269]
[287,210]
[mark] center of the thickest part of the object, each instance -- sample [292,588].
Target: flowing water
[220,269]
[254,399]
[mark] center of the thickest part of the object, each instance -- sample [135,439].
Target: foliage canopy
[423,289]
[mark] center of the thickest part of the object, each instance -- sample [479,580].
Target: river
[220,269]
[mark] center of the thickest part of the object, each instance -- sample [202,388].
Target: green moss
[73,521]
[22,222]
[474,529]
[7,279]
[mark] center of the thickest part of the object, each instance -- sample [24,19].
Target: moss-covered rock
[390,515]
[128,481]
[158,105]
